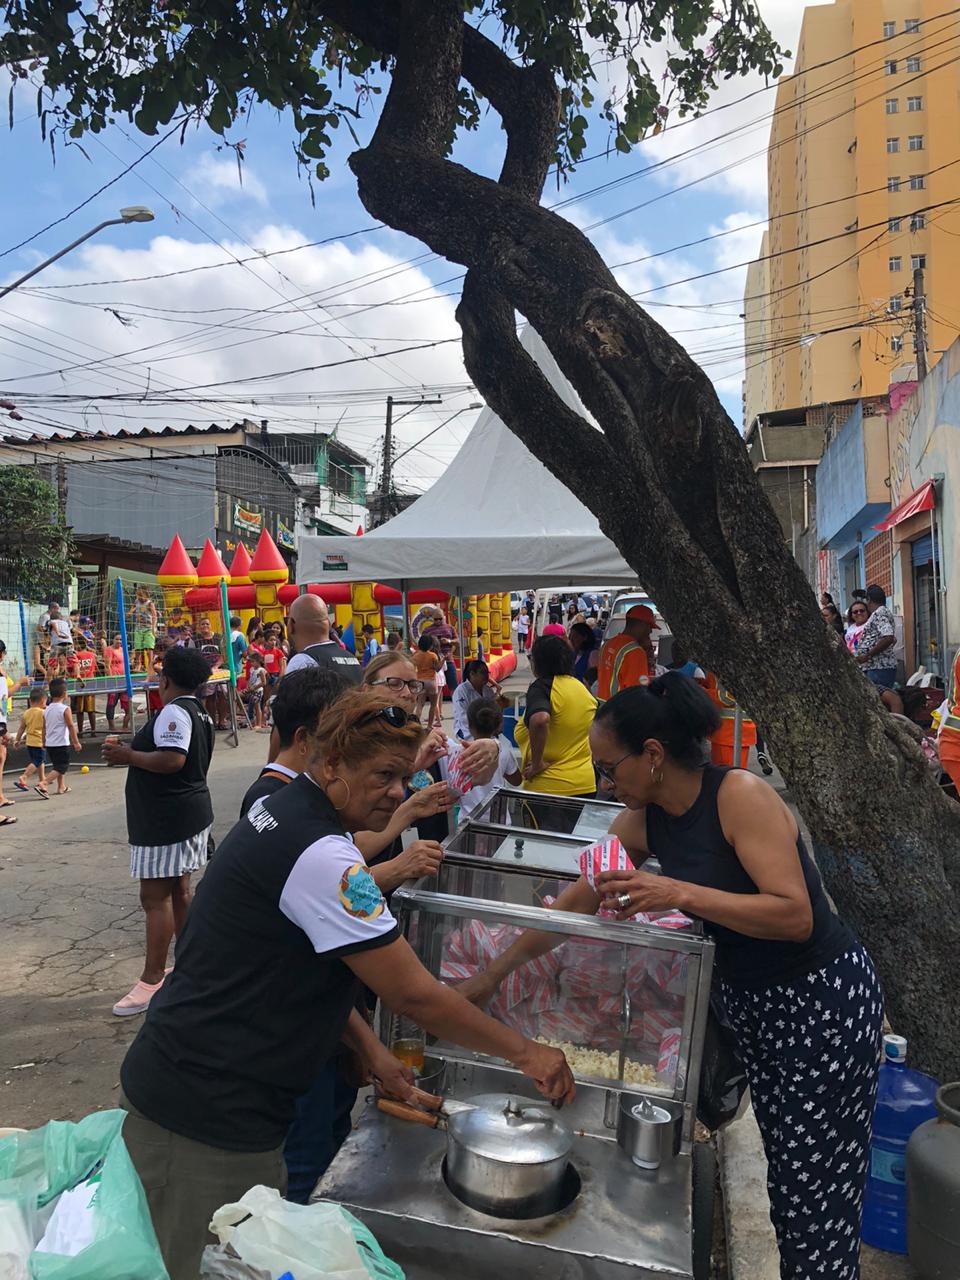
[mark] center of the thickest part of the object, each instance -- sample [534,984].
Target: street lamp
[133,213]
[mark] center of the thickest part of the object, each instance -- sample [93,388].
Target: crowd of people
[255,1040]
[254,1043]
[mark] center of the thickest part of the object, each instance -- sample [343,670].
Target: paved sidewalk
[73,936]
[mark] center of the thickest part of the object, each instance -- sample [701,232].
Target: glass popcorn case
[627,1002]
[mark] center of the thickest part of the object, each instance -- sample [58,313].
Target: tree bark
[670,481]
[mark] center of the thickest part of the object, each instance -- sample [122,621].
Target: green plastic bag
[58,1157]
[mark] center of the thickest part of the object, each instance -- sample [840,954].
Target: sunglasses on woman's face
[396,717]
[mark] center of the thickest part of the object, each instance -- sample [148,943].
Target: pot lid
[514,1130]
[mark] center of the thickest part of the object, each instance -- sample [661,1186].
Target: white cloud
[232,324]
[741,157]
[222,180]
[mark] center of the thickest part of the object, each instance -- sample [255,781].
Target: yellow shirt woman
[567,763]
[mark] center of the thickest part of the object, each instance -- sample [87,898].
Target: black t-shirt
[260,995]
[267,784]
[538,698]
[330,654]
[163,808]
[692,847]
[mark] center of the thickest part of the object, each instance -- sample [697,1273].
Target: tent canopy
[496,520]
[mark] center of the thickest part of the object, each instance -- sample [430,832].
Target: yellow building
[863,162]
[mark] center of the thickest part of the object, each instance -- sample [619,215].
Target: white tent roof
[496,520]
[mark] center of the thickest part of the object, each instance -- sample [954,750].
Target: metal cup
[649,1132]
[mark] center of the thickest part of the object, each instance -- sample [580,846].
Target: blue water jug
[905,1100]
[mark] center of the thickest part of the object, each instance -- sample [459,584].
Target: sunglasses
[397,684]
[396,717]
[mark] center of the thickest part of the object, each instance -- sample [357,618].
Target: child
[394,641]
[480,649]
[143,617]
[486,720]
[85,703]
[428,663]
[256,687]
[113,666]
[60,734]
[31,726]
[372,645]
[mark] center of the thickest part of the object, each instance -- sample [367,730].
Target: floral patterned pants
[811,1049]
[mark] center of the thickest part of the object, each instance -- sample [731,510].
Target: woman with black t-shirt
[286,925]
[800,991]
[169,814]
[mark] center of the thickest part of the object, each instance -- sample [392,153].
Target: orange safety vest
[722,741]
[620,666]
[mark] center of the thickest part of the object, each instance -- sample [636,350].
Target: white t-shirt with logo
[173,729]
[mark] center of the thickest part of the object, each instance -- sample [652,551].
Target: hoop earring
[339,807]
[656,781]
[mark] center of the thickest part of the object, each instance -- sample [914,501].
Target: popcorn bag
[606,855]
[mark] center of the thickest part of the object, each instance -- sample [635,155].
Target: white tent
[496,520]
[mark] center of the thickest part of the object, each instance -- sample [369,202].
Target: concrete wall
[144,500]
[924,442]
[842,478]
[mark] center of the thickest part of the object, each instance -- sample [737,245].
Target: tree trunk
[669,479]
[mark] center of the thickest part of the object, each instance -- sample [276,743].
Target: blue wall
[842,480]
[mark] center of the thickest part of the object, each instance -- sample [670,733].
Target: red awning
[922,499]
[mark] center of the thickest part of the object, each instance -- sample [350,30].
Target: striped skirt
[162,861]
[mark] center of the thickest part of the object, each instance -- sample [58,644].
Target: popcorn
[592,1062]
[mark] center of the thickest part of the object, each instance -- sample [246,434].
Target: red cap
[641,613]
[554,629]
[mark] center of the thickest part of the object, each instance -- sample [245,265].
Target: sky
[372,306]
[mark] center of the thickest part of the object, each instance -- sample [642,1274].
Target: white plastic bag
[314,1241]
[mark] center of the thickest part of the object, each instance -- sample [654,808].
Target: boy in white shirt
[59,735]
[486,720]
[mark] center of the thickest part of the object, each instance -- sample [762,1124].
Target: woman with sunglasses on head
[800,992]
[285,927]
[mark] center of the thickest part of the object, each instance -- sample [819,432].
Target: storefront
[919,574]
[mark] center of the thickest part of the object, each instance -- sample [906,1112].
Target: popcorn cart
[498,1184]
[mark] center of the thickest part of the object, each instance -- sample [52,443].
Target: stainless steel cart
[630,1003]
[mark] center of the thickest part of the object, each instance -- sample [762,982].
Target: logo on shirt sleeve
[359,894]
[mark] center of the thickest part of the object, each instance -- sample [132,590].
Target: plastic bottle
[905,1100]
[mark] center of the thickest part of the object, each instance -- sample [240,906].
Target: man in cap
[627,659]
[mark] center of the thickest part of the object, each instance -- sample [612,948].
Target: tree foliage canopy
[34,543]
[157,61]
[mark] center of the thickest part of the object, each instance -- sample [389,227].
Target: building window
[915,142]
[911,25]
[889,29]
[893,146]
[896,343]
[896,303]
[893,184]
[893,224]
[918,222]
[917,182]
[895,263]
[891,67]
[915,104]
[918,261]
[893,106]
[913,65]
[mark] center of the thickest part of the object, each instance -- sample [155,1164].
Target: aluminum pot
[507,1156]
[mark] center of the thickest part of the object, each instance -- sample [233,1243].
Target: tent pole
[405,620]
[460,627]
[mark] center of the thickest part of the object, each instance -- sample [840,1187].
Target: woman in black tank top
[800,991]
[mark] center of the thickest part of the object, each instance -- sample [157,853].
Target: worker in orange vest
[721,742]
[948,740]
[627,659]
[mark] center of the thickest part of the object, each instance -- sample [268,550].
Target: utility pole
[386,466]
[919,324]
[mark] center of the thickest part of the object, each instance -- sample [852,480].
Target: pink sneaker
[136,999]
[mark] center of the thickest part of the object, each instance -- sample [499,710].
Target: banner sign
[243,519]
[285,537]
[335,562]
